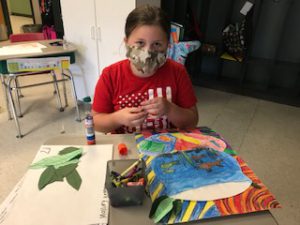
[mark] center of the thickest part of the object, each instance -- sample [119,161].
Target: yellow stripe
[138,136]
[207,206]
[148,161]
[150,177]
[157,191]
[188,211]
[65,64]
[186,138]
[172,218]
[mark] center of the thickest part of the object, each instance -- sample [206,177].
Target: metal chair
[21,67]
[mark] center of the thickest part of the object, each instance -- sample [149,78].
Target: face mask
[145,61]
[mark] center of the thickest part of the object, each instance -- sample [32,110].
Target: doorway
[20,13]
[17,13]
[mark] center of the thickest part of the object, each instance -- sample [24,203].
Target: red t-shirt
[118,88]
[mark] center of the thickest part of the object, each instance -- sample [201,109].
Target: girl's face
[148,37]
[148,40]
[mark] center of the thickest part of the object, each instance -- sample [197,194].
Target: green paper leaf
[46,177]
[67,150]
[161,207]
[73,161]
[155,205]
[74,179]
[177,205]
[56,160]
[65,170]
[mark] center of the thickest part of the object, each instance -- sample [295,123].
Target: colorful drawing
[162,170]
[185,170]
[167,142]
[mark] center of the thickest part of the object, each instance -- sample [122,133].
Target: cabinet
[271,68]
[96,28]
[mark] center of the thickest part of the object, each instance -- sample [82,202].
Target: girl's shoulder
[120,65]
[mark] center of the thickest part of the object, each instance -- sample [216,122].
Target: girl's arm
[180,117]
[183,117]
[108,122]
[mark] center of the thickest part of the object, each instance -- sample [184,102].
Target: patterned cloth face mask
[145,61]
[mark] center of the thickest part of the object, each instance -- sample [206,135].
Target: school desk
[139,214]
[23,50]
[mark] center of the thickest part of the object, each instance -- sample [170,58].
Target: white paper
[214,191]
[19,49]
[58,203]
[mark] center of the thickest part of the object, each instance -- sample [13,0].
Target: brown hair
[147,15]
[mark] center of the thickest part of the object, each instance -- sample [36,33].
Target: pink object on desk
[26,37]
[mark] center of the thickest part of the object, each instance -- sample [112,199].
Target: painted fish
[207,166]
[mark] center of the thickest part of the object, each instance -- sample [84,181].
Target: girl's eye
[157,45]
[139,43]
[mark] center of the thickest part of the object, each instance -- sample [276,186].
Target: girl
[146,90]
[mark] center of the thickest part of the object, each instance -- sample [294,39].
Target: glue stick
[89,122]
[89,127]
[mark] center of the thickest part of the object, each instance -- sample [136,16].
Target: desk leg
[74,95]
[17,93]
[64,89]
[5,90]
[58,99]
[13,108]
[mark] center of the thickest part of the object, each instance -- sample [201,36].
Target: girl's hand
[132,117]
[156,107]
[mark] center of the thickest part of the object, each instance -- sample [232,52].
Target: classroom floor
[265,135]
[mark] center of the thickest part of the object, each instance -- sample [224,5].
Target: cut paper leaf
[60,166]
[55,160]
[46,177]
[177,205]
[73,161]
[164,207]
[74,179]
[155,204]
[67,150]
[161,207]
[51,174]
[65,170]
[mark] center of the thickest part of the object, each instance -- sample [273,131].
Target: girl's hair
[147,15]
